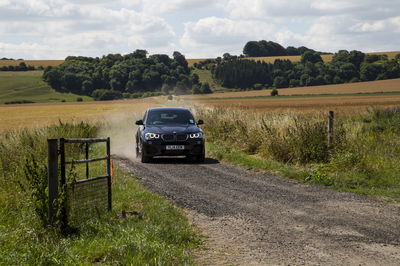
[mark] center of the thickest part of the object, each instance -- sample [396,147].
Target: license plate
[175,147]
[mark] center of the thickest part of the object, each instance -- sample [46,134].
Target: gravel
[252,218]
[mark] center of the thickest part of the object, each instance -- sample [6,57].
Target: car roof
[168,109]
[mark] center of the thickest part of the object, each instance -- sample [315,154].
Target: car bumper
[154,148]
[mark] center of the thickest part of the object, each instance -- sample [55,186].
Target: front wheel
[143,157]
[200,158]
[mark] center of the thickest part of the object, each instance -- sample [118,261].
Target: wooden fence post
[52,176]
[330,129]
[109,174]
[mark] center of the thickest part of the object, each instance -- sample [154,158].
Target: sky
[54,29]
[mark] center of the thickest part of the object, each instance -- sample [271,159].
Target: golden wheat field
[389,85]
[36,63]
[39,115]
[304,103]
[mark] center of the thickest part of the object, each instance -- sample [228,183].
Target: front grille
[168,137]
[181,137]
[176,137]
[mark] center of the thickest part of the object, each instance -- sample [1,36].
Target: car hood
[165,129]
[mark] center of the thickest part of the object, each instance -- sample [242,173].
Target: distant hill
[28,86]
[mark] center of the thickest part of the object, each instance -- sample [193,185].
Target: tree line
[125,76]
[21,67]
[269,48]
[345,66]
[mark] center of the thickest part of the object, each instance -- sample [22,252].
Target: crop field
[28,85]
[39,115]
[36,63]
[293,58]
[304,103]
[389,85]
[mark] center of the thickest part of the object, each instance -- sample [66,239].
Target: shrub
[106,95]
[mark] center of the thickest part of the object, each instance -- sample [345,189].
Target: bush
[19,102]
[106,95]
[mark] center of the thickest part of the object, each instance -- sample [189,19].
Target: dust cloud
[121,129]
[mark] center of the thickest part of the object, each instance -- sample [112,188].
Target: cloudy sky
[54,29]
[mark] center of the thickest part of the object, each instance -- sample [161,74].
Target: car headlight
[148,136]
[197,135]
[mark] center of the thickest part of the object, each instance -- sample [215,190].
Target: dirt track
[256,218]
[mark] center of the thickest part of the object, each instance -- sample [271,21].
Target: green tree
[369,72]
[311,57]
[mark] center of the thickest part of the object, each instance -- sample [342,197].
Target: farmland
[35,63]
[39,115]
[305,103]
[390,85]
[350,95]
[28,85]
[293,58]
[269,59]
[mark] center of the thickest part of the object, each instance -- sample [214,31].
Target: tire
[137,150]
[200,158]
[144,158]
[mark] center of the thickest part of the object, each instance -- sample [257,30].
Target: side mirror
[200,122]
[139,122]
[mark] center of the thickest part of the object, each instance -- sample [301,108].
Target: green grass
[350,180]
[205,76]
[299,96]
[29,86]
[159,235]
[365,158]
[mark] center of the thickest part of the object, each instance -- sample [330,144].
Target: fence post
[64,218]
[330,129]
[109,174]
[52,176]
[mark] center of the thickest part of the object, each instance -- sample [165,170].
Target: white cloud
[214,36]
[88,29]
[97,27]
[167,6]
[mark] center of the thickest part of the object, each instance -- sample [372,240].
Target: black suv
[169,131]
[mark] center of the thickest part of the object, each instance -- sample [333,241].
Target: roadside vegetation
[158,234]
[364,157]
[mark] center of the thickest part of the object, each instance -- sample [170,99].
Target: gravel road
[252,218]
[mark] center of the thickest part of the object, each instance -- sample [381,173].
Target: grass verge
[159,235]
[347,181]
[364,158]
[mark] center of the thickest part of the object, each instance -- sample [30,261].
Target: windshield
[169,117]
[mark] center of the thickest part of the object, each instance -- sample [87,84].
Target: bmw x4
[169,131]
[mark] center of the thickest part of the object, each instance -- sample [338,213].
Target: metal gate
[83,196]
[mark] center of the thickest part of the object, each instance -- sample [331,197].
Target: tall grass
[365,156]
[159,234]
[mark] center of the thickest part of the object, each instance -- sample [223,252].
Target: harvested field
[306,103]
[39,115]
[389,85]
[36,63]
